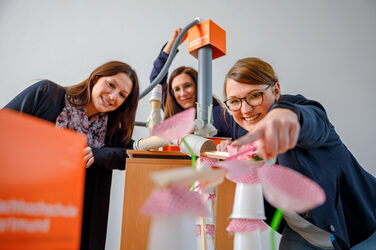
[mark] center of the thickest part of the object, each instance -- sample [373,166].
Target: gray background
[323,49]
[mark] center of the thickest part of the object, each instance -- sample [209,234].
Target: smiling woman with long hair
[102,107]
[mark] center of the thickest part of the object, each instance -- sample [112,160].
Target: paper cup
[247,240]
[172,232]
[248,202]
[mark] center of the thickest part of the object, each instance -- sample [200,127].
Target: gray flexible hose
[140,124]
[170,58]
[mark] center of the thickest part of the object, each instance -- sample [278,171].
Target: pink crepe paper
[250,178]
[212,196]
[208,161]
[246,225]
[174,200]
[289,190]
[176,126]
[209,229]
[245,153]
[235,168]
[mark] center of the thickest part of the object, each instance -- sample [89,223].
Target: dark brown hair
[123,118]
[252,71]
[172,107]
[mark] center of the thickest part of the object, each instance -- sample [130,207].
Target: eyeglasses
[253,99]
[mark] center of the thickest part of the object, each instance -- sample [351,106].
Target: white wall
[323,49]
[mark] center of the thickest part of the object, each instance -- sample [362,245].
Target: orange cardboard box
[42,176]
[206,33]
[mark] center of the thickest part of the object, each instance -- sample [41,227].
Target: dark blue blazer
[349,212]
[46,100]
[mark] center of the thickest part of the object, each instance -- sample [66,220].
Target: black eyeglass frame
[245,98]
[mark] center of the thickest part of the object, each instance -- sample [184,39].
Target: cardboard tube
[151,142]
[197,144]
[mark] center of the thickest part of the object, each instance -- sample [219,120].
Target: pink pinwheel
[235,168]
[176,126]
[289,190]
[283,187]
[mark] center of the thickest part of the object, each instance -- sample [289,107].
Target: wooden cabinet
[138,186]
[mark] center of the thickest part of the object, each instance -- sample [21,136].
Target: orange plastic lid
[216,140]
[171,148]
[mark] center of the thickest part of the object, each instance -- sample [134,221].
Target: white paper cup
[172,232]
[247,240]
[248,202]
[156,93]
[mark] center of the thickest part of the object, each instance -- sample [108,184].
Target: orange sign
[42,175]
[206,33]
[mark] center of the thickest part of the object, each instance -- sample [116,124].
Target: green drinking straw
[274,225]
[193,157]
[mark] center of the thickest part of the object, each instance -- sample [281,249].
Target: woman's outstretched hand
[170,43]
[276,133]
[89,157]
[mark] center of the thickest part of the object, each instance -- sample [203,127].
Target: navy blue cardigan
[221,121]
[349,212]
[46,100]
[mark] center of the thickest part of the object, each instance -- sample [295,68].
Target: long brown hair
[172,107]
[123,118]
[252,71]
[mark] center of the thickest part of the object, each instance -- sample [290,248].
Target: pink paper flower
[209,229]
[289,190]
[235,168]
[208,161]
[174,200]
[176,126]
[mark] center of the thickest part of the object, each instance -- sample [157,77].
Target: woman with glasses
[296,133]
[180,92]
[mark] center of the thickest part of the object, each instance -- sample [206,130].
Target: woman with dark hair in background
[102,107]
[180,92]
